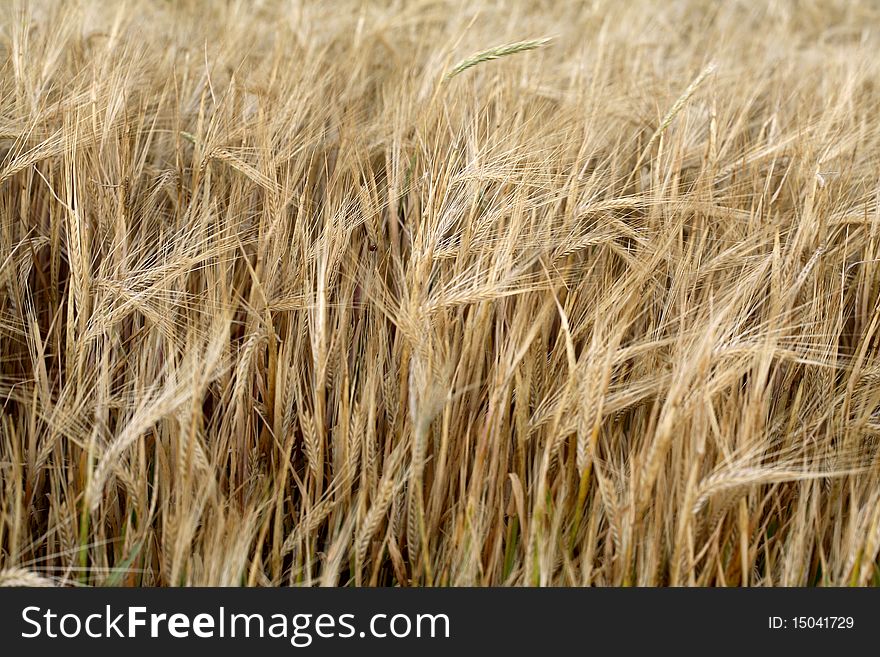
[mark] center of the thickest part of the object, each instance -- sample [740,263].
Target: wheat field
[440,293]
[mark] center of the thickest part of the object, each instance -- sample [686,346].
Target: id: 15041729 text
[811,623]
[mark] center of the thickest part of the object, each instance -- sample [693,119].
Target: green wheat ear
[496,53]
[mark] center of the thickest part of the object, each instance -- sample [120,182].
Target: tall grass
[282,303]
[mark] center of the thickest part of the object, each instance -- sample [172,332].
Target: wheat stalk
[10,577]
[496,53]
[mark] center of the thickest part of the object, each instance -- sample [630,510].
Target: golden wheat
[287,297]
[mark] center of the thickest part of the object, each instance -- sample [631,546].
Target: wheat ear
[496,53]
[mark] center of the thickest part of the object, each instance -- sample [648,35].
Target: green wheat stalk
[496,53]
